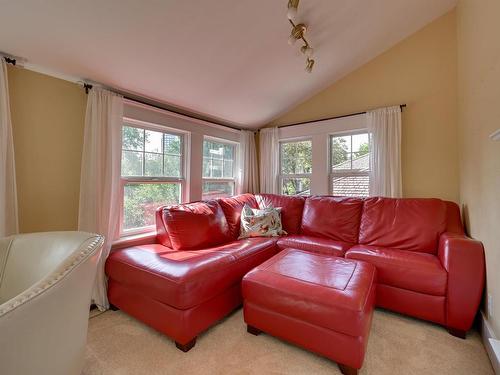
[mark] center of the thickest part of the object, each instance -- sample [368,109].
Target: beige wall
[421,72]
[47,119]
[479,115]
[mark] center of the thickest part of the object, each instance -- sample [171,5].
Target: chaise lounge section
[191,278]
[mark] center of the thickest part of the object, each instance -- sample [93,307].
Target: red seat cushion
[408,270]
[329,292]
[314,244]
[291,209]
[406,224]
[184,279]
[196,225]
[232,210]
[332,217]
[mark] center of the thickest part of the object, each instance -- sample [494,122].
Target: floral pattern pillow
[260,223]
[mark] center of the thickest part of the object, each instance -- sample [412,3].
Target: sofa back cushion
[162,236]
[453,219]
[332,217]
[232,210]
[406,224]
[291,209]
[196,225]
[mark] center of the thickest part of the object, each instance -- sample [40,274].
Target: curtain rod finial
[87,87]
[9,60]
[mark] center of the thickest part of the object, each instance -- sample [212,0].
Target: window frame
[124,180]
[282,176]
[234,179]
[346,172]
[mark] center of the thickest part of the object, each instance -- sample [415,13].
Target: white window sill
[134,240]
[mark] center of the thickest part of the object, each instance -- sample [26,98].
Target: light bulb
[291,13]
[309,65]
[309,52]
[291,40]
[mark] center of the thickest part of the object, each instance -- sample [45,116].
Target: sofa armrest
[463,259]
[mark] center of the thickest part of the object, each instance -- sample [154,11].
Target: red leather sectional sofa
[191,278]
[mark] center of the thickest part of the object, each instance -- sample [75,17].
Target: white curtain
[269,158]
[249,171]
[100,177]
[384,126]
[8,194]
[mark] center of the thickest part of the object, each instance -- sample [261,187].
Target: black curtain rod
[330,118]
[88,87]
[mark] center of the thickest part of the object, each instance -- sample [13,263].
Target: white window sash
[151,179]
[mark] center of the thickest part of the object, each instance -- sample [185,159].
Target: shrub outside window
[295,167]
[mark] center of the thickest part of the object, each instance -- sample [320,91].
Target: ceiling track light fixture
[298,31]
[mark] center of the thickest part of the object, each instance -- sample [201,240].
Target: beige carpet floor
[119,345]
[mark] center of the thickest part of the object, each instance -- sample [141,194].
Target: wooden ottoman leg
[253,330]
[347,370]
[187,346]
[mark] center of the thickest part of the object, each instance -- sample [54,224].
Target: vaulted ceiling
[224,59]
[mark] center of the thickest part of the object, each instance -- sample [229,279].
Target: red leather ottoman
[319,302]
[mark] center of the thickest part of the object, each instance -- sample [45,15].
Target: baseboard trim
[491,343]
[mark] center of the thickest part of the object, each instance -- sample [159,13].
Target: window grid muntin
[284,176]
[223,160]
[144,179]
[223,179]
[339,173]
[144,152]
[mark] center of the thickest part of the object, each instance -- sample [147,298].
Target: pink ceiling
[225,59]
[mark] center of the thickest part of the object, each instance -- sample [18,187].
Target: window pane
[172,144]
[160,152]
[215,150]
[141,201]
[229,152]
[206,166]
[228,169]
[296,186]
[351,186]
[132,138]
[154,141]
[296,157]
[360,144]
[350,152]
[154,164]
[340,152]
[218,159]
[172,166]
[216,168]
[131,163]
[341,161]
[217,189]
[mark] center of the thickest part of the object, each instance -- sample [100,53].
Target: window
[219,162]
[350,165]
[295,167]
[152,175]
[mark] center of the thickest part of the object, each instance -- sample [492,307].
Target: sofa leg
[187,346]
[253,330]
[461,334]
[113,307]
[347,370]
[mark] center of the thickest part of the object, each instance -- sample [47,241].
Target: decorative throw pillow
[260,223]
